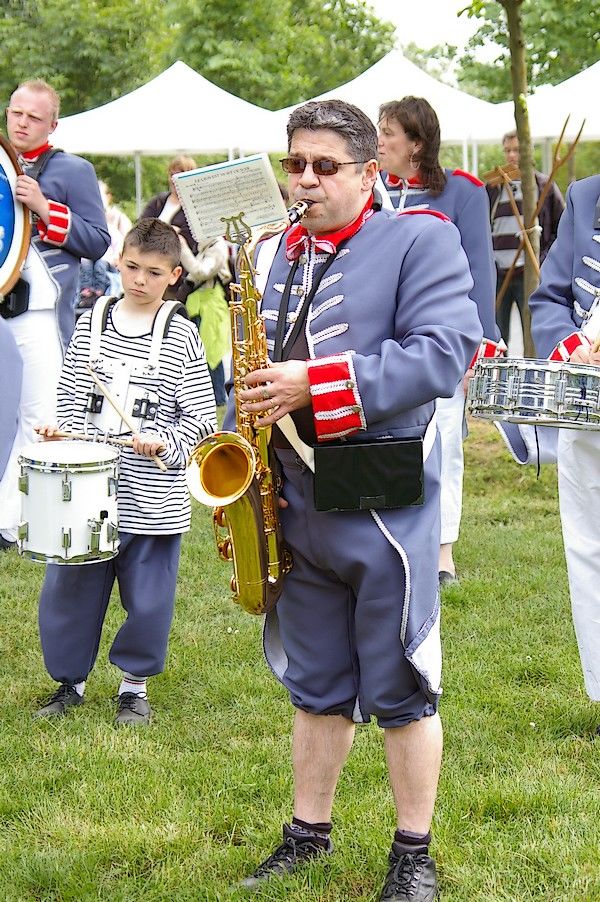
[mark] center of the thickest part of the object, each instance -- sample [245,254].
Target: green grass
[182,810]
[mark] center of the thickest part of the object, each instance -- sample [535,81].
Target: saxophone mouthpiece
[297,211]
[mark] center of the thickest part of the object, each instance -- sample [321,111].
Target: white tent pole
[475,158]
[137,163]
[547,155]
[465,150]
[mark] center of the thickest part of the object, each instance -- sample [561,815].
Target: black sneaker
[133,709]
[411,878]
[291,854]
[66,696]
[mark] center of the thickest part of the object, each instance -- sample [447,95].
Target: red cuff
[337,406]
[565,348]
[488,348]
[57,230]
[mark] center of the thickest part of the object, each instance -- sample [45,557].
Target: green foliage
[562,38]
[91,51]
[277,52]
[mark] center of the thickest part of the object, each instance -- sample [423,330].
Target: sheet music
[246,185]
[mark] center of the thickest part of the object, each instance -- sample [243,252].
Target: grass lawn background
[182,810]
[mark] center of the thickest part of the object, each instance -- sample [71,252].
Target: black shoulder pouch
[371,475]
[16,301]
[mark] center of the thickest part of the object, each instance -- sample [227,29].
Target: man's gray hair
[350,123]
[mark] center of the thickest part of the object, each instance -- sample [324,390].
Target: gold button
[349,384]
[302,260]
[356,408]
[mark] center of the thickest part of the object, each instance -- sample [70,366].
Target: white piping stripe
[587,286]
[592,263]
[325,388]
[326,305]
[337,414]
[330,332]
[404,557]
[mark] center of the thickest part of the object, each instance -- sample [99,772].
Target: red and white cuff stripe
[336,402]
[488,348]
[57,230]
[565,348]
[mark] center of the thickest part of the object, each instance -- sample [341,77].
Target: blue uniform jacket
[71,181]
[464,200]
[390,329]
[570,275]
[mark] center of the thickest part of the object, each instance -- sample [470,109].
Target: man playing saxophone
[368,320]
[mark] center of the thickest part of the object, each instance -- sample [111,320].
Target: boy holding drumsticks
[162,353]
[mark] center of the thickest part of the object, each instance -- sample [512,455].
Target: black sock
[406,842]
[303,830]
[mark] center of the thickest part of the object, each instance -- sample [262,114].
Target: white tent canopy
[576,97]
[177,111]
[462,117]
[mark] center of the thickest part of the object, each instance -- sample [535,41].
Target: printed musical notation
[213,193]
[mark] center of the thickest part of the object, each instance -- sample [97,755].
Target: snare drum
[540,392]
[68,502]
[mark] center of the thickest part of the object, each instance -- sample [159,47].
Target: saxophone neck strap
[279,352]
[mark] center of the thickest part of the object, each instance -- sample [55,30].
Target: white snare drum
[68,502]
[540,392]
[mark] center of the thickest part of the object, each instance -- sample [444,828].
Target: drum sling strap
[160,328]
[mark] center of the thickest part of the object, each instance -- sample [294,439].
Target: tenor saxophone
[233,472]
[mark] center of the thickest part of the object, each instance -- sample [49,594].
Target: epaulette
[437,213]
[469,176]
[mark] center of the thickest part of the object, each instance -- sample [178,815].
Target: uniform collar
[31,155]
[298,239]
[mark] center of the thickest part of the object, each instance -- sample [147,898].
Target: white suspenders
[131,382]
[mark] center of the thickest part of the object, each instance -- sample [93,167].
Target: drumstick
[83,437]
[129,423]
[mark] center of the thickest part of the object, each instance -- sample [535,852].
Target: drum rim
[524,363]
[40,558]
[44,466]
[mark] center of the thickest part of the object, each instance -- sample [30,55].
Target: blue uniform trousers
[334,637]
[74,600]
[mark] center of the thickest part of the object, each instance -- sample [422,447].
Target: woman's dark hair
[420,122]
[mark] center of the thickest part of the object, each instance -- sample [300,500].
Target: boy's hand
[147,445]
[48,433]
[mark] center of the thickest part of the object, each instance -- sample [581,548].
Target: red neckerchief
[298,239]
[413,182]
[34,154]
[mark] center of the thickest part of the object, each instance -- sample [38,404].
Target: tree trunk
[518,72]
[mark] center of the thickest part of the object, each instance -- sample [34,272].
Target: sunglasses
[296,165]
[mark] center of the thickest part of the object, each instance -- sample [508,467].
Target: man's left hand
[277,390]
[27,190]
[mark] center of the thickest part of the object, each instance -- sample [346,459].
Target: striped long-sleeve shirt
[150,501]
